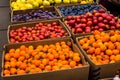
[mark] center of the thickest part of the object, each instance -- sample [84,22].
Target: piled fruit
[39,32]
[78,10]
[35,15]
[87,23]
[29,4]
[102,48]
[41,58]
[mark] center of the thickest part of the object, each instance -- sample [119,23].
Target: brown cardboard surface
[31,24]
[50,8]
[80,73]
[104,70]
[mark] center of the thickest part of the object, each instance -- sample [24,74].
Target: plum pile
[87,23]
[78,10]
[35,15]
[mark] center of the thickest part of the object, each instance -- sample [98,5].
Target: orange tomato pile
[102,48]
[42,58]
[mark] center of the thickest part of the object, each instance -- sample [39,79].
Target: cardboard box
[52,9]
[31,24]
[59,6]
[99,71]
[80,73]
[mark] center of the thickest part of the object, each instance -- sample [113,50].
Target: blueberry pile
[78,10]
[35,15]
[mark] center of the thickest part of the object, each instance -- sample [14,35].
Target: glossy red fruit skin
[83,25]
[117,26]
[101,25]
[100,18]
[89,23]
[83,20]
[12,40]
[78,20]
[112,27]
[77,26]
[95,21]
[105,21]
[102,11]
[87,30]
[112,22]
[79,30]
[108,18]
[69,18]
[71,23]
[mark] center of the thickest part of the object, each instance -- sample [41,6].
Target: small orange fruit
[109,52]
[85,46]
[7,56]
[11,50]
[13,71]
[22,47]
[20,72]
[115,51]
[117,57]
[47,68]
[72,64]
[96,32]
[76,58]
[6,72]
[97,51]
[113,38]
[55,68]
[13,64]
[81,42]
[103,47]
[23,66]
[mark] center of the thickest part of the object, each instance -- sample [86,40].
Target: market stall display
[61,40]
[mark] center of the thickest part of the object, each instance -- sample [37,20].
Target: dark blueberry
[85,6]
[89,5]
[62,8]
[79,7]
[73,6]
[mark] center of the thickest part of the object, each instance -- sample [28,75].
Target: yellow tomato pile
[102,47]
[41,58]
